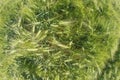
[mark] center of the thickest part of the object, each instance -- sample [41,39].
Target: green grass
[59,40]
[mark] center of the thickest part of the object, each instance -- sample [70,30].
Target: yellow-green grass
[58,39]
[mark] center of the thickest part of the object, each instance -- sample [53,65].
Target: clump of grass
[57,39]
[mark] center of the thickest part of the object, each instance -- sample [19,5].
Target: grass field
[59,40]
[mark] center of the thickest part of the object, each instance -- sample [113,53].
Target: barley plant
[59,40]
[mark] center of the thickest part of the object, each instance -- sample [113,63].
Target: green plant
[57,39]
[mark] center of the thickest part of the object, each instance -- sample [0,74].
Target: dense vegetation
[59,40]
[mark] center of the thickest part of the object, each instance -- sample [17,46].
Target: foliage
[59,39]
